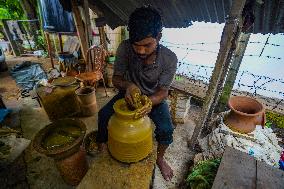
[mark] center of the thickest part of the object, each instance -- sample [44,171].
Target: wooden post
[233,71]
[49,48]
[80,29]
[102,34]
[88,27]
[229,36]
[60,42]
[8,34]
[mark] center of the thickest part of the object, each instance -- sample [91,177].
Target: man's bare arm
[159,96]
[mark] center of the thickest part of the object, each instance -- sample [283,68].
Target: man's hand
[132,96]
[159,96]
[145,109]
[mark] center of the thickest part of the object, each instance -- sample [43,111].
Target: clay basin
[61,138]
[245,114]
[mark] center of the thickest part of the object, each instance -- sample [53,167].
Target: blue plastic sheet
[4,113]
[27,74]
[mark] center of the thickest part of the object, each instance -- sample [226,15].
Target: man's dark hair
[144,22]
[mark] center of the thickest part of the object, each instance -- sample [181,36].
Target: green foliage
[203,174]
[268,124]
[273,118]
[11,9]
[40,40]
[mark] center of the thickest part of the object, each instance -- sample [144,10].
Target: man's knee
[106,111]
[102,112]
[164,133]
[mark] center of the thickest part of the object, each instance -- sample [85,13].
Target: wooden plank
[14,46]
[80,29]
[88,28]
[60,42]
[228,37]
[102,34]
[269,177]
[49,49]
[191,88]
[71,45]
[237,170]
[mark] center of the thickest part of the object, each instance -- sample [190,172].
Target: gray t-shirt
[148,77]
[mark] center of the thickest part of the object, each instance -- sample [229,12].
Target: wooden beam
[8,34]
[229,36]
[268,176]
[95,9]
[80,28]
[49,48]
[237,170]
[60,42]
[88,27]
[102,34]
[233,71]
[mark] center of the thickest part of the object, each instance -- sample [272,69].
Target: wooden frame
[229,37]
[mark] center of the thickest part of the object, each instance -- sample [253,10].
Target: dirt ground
[41,172]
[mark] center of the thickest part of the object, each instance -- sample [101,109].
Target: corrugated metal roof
[269,14]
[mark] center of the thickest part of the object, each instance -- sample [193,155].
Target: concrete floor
[41,172]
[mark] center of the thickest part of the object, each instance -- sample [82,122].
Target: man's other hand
[145,109]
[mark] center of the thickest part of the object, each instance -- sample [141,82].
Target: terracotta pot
[70,158]
[87,100]
[245,114]
[129,139]
[64,151]
[73,168]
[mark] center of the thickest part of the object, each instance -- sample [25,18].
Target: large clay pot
[245,114]
[70,158]
[129,139]
[87,100]
[73,168]
[61,101]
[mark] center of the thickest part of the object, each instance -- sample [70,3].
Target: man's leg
[103,117]
[164,135]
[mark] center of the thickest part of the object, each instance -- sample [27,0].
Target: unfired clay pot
[129,139]
[245,114]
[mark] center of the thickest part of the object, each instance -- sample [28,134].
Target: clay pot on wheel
[245,114]
[129,139]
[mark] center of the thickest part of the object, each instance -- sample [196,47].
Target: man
[144,66]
